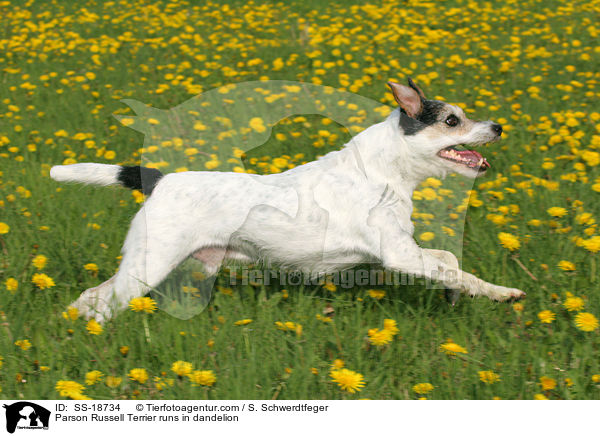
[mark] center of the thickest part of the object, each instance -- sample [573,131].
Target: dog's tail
[141,178]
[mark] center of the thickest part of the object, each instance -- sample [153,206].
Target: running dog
[349,207]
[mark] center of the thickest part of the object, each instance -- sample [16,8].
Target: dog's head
[440,133]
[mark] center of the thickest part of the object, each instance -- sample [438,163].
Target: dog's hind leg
[149,254]
[91,297]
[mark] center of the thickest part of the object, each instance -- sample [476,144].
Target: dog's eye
[452,120]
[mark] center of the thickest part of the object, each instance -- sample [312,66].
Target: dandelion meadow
[531,222]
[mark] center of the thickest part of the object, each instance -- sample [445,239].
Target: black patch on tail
[140,178]
[427,117]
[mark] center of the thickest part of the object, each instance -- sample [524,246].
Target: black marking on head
[140,178]
[428,116]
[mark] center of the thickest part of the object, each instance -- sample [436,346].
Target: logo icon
[26,415]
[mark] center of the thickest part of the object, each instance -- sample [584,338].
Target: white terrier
[349,207]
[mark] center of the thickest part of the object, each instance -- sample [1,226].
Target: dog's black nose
[497,128]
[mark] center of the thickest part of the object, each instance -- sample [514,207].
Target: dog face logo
[26,415]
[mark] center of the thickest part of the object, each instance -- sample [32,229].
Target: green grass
[258,361]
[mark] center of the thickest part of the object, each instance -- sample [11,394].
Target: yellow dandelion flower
[243,322]
[330,287]
[93,377]
[573,304]
[68,388]
[90,267]
[348,380]
[509,241]
[427,236]
[257,124]
[124,350]
[324,319]
[451,348]
[289,326]
[203,378]
[280,325]
[488,377]
[93,327]
[4,228]
[280,162]
[540,397]
[140,375]
[142,304]
[391,326]
[547,383]
[596,378]
[11,284]
[138,197]
[338,364]
[182,368]
[565,265]
[557,212]
[39,261]
[592,244]
[379,337]
[422,388]
[112,382]
[42,281]
[592,158]
[23,344]
[212,164]
[546,316]
[71,314]
[376,293]
[586,322]
[584,218]
[199,126]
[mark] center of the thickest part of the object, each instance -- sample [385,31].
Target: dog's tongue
[473,156]
[470,157]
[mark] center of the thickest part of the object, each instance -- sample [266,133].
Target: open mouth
[469,158]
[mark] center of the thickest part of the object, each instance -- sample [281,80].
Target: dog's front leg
[399,252]
[412,259]
[470,284]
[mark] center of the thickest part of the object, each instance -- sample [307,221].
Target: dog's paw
[90,304]
[500,293]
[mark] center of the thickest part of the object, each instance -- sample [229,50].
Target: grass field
[531,222]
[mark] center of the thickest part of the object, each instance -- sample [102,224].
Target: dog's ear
[414,86]
[407,98]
